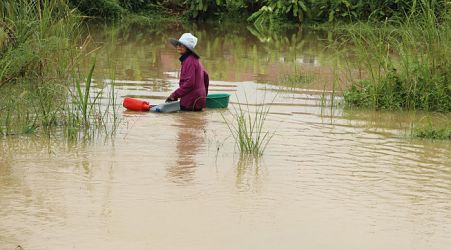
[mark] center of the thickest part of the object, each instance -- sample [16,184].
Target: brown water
[329,179]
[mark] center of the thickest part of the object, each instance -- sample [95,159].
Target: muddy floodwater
[330,178]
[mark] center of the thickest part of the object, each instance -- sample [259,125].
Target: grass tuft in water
[247,128]
[432,132]
[436,129]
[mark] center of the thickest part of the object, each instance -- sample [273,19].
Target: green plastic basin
[217,101]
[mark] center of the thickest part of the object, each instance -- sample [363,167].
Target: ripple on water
[177,180]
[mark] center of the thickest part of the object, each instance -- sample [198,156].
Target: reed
[82,99]
[52,107]
[86,116]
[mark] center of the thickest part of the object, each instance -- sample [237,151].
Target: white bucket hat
[187,40]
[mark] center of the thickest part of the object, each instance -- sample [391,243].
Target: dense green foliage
[38,39]
[39,55]
[101,8]
[433,132]
[407,65]
[264,12]
[339,10]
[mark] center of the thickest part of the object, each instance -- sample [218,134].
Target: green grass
[72,110]
[85,115]
[406,64]
[432,130]
[40,40]
[82,100]
[434,126]
[433,133]
[266,13]
[247,128]
[39,89]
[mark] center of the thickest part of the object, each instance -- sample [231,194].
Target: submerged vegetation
[437,129]
[71,109]
[432,132]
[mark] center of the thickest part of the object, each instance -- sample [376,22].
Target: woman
[193,85]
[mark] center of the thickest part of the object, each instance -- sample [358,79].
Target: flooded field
[330,178]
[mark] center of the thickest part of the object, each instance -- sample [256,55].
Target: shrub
[101,8]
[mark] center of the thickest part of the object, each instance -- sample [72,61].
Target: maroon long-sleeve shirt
[193,85]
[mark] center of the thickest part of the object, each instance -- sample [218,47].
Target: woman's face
[181,49]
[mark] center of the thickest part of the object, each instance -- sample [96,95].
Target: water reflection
[190,140]
[248,174]
[235,54]
[335,173]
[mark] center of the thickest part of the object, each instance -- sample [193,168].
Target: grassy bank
[405,64]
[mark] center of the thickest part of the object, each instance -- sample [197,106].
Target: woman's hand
[171,99]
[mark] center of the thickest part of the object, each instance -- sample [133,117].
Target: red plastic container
[136,104]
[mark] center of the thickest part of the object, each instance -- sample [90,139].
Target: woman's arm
[187,80]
